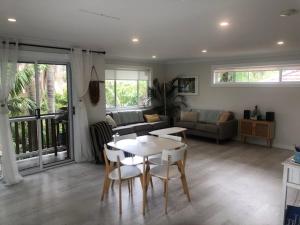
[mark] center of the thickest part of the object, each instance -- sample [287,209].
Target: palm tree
[50,88]
[165,98]
[17,102]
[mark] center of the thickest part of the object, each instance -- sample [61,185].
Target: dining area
[135,161]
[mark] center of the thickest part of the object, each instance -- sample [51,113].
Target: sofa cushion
[159,125]
[152,118]
[188,116]
[225,116]
[129,117]
[140,116]
[208,116]
[185,124]
[122,130]
[116,118]
[207,127]
[110,121]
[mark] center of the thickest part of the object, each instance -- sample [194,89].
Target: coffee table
[170,130]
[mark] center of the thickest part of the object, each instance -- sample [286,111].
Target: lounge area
[228,183]
[149,112]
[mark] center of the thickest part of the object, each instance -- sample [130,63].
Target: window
[126,88]
[256,75]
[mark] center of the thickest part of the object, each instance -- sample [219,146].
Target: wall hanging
[94,87]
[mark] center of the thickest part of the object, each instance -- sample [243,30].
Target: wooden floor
[230,184]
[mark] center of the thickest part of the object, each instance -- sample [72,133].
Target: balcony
[54,136]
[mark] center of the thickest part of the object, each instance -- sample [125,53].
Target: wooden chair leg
[186,188]
[120,197]
[104,188]
[166,197]
[151,182]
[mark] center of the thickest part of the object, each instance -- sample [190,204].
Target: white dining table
[145,146]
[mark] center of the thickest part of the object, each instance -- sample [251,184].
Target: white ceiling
[170,29]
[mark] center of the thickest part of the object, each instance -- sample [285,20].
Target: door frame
[43,167]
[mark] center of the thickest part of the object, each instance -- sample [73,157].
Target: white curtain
[8,68]
[81,64]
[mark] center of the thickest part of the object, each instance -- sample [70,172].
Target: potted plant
[165,98]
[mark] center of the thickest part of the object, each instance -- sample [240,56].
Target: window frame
[132,68]
[279,65]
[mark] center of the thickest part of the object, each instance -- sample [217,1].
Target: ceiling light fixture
[12,20]
[154,57]
[135,40]
[224,24]
[280,42]
[204,51]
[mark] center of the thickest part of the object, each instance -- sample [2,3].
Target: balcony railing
[53,133]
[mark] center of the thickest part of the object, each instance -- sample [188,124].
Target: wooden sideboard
[257,128]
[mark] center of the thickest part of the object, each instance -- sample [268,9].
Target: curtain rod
[51,47]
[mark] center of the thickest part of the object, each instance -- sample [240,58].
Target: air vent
[289,12]
[99,14]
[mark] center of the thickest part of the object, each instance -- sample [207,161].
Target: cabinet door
[261,130]
[246,128]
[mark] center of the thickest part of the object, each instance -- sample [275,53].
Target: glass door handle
[37,113]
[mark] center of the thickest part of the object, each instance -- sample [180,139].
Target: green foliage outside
[249,76]
[21,100]
[128,93]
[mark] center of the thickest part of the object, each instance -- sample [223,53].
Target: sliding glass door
[40,115]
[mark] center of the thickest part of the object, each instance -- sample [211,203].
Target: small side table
[257,128]
[290,167]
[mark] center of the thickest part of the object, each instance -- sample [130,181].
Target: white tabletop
[171,130]
[145,145]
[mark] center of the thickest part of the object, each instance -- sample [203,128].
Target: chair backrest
[174,155]
[171,137]
[127,136]
[112,155]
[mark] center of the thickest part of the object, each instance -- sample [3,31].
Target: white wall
[96,113]
[284,101]
[158,69]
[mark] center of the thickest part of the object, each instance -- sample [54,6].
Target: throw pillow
[225,116]
[152,118]
[188,116]
[110,121]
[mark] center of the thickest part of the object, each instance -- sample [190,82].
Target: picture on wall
[188,85]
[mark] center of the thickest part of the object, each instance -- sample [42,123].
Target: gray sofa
[207,125]
[133,122]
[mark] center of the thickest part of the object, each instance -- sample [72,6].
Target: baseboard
[262,143]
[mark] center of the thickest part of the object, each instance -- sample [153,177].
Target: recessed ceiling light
[280,42]
[204,51]
[154,57]
[135,40]
[12,20]
[224,24]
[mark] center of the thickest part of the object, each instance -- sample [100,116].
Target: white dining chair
[131,160]
[171,168]
[156,160]
[117,173]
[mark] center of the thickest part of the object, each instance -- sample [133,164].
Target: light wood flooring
[230,184]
